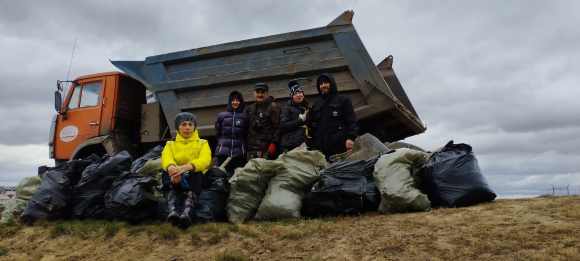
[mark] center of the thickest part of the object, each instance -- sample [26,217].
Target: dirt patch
[544,228]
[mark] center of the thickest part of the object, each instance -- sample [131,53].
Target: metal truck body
[199,81]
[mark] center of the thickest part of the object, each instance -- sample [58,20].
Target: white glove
[303,116]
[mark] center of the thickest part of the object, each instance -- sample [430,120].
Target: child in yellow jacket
[184,162]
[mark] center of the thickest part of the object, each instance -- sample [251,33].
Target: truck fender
[112,145]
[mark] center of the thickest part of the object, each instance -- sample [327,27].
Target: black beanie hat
[294,88]
[184,116]
[322,78]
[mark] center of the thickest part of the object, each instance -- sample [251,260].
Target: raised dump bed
[199,80]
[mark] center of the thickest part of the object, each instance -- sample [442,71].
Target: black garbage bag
[140,162]
[452,178]
[211,203]
[89,194]
[372,197]
[339,191]
[131,198]
[162,212]
[54,197]
[216,173]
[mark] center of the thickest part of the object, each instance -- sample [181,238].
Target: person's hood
[242,103]
[333,88]
[180,138]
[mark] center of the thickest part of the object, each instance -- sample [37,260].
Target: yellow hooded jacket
[184,151]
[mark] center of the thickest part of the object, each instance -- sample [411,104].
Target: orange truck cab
[99,114]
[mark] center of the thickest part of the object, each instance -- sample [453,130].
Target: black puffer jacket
[333,119]
[293,135]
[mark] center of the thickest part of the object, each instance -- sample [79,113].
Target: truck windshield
[74,99]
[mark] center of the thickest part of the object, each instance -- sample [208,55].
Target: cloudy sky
[501,76]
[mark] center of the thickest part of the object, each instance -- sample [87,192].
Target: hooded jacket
[185,151]
[268,114]
[333,119]
[232,128]
[293,135]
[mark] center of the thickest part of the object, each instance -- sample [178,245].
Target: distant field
[543,228]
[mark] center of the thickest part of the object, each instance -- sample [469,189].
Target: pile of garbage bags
[372,196]
[24,192]
[399,178]
[89,188]
[452,178]
[249,186]
[340,190]
[89,193]
[394,177]
[53,199]
[141,162]
[370,177]
[211,203]
[131,198]
[283,198]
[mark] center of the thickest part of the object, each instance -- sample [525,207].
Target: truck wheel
[97,149]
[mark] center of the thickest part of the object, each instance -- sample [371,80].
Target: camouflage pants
[254,154]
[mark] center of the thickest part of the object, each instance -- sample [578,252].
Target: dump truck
[106,113]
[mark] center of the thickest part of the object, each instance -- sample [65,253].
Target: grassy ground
[544,228]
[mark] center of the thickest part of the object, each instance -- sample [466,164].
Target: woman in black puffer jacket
[293,120]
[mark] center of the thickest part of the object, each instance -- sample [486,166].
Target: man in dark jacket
[333,119]
[264,125]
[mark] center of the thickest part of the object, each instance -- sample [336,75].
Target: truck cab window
[90,95]
[74,99]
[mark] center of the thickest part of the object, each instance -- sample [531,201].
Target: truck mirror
[57,101]
[59,85]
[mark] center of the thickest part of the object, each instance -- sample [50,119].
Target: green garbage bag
[248,187]
[24,192]
[394,177]
[365,147]
[153,168]
[285,191]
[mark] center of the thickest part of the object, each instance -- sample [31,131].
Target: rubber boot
[173,216]
[185,219]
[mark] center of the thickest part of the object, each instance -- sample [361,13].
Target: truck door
[82,117]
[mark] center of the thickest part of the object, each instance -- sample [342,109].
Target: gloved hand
[272,149]
[303,116]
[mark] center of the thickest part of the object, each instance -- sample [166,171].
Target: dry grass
[3,250]
[543,228]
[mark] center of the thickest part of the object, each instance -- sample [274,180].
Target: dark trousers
[195,181]
[234,163]
[259,154]
[328,153]
[286,148]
